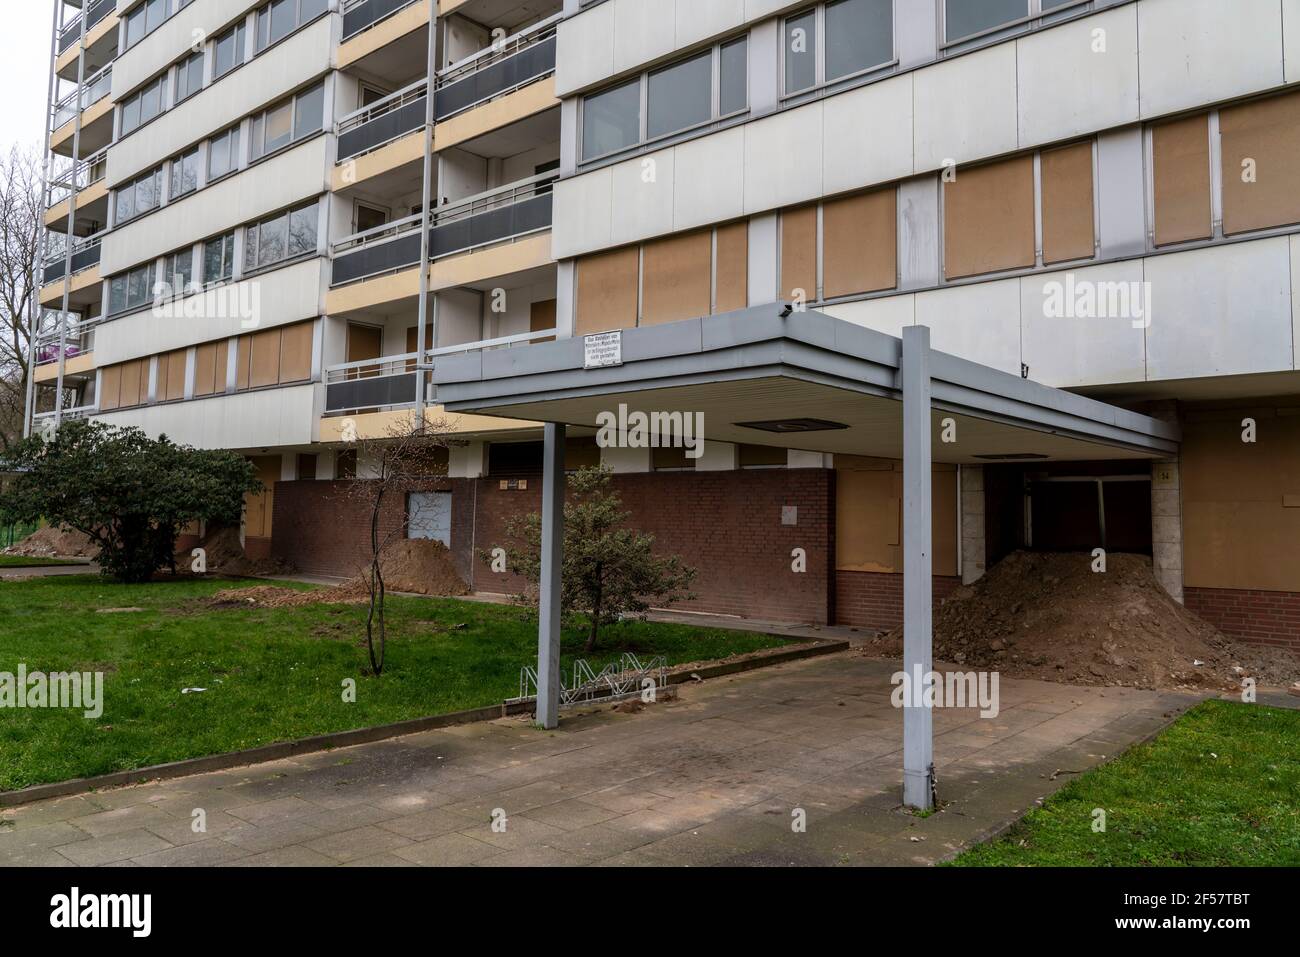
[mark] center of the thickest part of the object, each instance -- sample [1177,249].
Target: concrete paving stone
[532,857]
[597,842]
[520,832]
[688,849]
[654,822]
[571,815]
[426,824]
[20,840]
[354,815]
[359,842]
[448,850]
[127,818]
[180,831]
[211,800]
[271,836]
[295,855]
[112,847]
[274,811]
[207,853]
[623,798]
[46,812]
[379,860]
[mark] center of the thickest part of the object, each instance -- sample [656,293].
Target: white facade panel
[1201,51]
[1221,311]
[1064,348]
[1291,38]
[783,159]
[1121,193]
[866,134]
[583,218]
[643,31]
[966,108]
[584,50]
[1078,77]
[173,40]
[255,85]
[281,181]
[980,322]
[249,420]
[643,197]
[275,298]
[697,22]
[709,189]
[890,315]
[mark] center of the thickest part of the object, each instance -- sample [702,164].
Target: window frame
[178,161]
[227,241]
[160,82]
[182,69]
[253,233]
[234,150]
[1036,12]
[136,212]
[150,269]
[257,123]
[299,21]
[820,81]
[240,31]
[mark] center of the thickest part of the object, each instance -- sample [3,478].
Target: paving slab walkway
[718,776]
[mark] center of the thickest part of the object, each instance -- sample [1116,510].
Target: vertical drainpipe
[72,216]
[38,268]
[426,219]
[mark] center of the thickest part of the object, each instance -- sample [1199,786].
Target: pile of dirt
[1049,616]
[273,596]
[225,556]
[422,567]
[54,542]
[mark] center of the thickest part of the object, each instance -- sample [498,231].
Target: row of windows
[286,122]
[148,17]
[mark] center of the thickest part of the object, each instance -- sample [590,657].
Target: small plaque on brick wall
[789,514]
[514,485]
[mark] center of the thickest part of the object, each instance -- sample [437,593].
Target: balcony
[85,254]
[96,116]
[389,382]
[383,122]
[519,60]
[87,179]
[506,214]
[71,32]
[388,39]
[361,15]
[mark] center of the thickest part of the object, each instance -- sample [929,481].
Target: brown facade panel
[607,291]
[868,515]
[799,254]
[1181,174]
[243,354]
[110,388]
[860,243]
[132,385]
[174,362]
[1068,217]
[1261,163]
[264,365]
[988,218]
[541,316]
[732,268]
[295,352]
[677,281]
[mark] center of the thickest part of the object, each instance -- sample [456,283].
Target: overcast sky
[24,70]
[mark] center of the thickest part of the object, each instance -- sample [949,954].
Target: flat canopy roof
[759,365]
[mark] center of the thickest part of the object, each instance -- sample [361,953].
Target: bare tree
[409,456]
[20,234]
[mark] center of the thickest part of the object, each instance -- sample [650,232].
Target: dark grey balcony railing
[71,32]
[365,14]
[84,255]
[502,214]
[383,121]
[517,61]
[93,90]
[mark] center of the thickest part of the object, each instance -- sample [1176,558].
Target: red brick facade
[1259,617]
[875,599]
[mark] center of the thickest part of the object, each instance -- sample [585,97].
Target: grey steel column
[918,720]
[78,107]
[548,610]
[422,309]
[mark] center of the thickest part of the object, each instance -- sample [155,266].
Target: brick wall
[875,599]
[1258,617]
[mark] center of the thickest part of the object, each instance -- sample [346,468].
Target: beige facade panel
[295,352]
[110,388]
[496,114]
[210,368]
[1068,215]
[385,32]
[369,293]
[799,253]
[73,365]
[732,267]
[1261,163]
[491,262]
[677,278]
[377,425]
[402,152]
[607,291]
[264,360]
[1181,174]
[868,515]
[988,218]
[57,215]
[171,375]
[860,243]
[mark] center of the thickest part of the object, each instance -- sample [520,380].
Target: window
[139,196]
[677,97]
[837,40]
[278,19]
[223,154]
[274,356]
[189,76]
[288,121]
[967,19]
[988,218]
[185,174]
[228,51]
[281,237]
[144,20]
[131,290]
[219,258]
[178,272]
[1180,154]
[1260,134]
[142,106]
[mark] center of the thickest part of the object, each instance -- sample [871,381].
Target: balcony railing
[85,253]
[71,31]
[93,90]
[361,15]
[383,121]
[78,340]
[77,412]
[508,213]
[77,176]
[502,68]
[390,381]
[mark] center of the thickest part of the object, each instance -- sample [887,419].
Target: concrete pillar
[548,611]
[971,491]
[1167,527]
[918,561]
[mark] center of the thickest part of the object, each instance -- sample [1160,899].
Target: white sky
[24,70]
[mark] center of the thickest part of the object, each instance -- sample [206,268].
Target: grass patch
[21,561]
[1218,787]
[271,674]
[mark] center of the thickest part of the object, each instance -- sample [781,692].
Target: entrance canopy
[806,381]
[802,380]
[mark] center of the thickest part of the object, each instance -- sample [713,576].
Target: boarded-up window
[243,354]
[678,278]
[264,366]
[210,368]
[860,243]
[799,254]
[732,267]
[171,375]
[1181,174]
[1068,219]
[1261,164]
[364,342]
[868,515]
[306,466]
[133,384]
[541,317]
[988,218]
[110,388]
[607,291]
[295,352]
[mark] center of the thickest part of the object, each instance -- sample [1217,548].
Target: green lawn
[20,561]
[1219,787]
[271,674]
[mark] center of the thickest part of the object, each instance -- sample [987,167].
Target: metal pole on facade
[548,609]
[422,316]
[72,217]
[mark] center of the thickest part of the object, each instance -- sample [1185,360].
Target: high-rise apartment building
[340,198]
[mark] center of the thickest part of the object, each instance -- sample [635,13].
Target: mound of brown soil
[422,567]
[273,596]
[54,542]
[225,555]
[1049,616]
